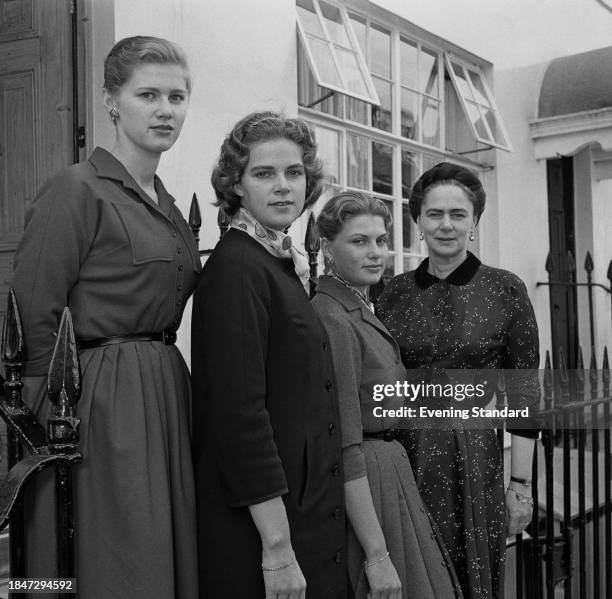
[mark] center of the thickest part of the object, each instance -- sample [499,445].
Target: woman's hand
[383,579]
[519,508]
[284,582]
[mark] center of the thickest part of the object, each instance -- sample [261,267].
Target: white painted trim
[589,120]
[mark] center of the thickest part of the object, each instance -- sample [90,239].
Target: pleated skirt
[415,548]
[134,499]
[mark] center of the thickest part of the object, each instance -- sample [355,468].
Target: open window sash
[478,104]
[332,50]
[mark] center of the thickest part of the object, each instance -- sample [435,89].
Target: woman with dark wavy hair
[266,441]
[451,316]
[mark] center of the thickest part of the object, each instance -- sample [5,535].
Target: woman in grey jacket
[392,550]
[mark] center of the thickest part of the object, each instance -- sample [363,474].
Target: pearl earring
[471,235]
[421,237]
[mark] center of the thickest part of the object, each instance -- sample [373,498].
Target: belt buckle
[389,435]
[168,337]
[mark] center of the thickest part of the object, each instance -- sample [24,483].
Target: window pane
[409,114]
[389,205]
[428,73]
[389,268]
[359,27]
[479,90]
[494,126]
[381,117]
[324,61]
[335,26]
[464,87]
[410,234]
[409,172]
[328,142]
[382,168]
[380,51]
[476,118]
[309,91]
[358,111]
[308,17]
[431,121]
[408,63]
[429,162]
[349,67]
[412,262]
[357,162]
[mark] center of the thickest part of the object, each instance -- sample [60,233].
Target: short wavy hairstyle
[255,128]
[446,173]
[131,52]
[346,205]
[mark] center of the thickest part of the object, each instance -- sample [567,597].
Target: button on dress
[124,265]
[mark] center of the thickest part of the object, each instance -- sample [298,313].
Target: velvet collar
[462,275]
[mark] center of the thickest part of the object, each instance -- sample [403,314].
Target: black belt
[388,435]
[167,337]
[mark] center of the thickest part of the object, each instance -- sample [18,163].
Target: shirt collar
[462,275]
[108,167]
[340,292]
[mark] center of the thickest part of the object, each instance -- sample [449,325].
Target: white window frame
[372,97]
[492,106]
[423,153]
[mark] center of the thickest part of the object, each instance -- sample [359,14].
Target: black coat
[265,422]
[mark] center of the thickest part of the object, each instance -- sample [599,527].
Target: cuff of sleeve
[354,463]
[254,500]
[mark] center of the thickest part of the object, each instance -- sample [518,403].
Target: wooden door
[564,318]
[36,129]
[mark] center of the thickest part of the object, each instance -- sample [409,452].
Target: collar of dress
[340,292]
[108,167]
[462,275]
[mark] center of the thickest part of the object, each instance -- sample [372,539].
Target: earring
[471,235]
[421,237]
[113,113]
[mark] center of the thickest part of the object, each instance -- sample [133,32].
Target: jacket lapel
[352,303]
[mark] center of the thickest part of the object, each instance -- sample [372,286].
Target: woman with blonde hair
[393,552]
[105,238]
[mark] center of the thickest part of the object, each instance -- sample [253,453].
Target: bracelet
[378,560]
[277,568]
[521,481]
[522,498]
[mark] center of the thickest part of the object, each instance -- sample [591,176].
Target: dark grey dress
[477,318]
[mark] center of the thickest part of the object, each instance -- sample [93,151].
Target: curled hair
[131,52]
[255,128]
[346,205]
[446,173]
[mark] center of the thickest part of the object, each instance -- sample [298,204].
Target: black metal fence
[30,447]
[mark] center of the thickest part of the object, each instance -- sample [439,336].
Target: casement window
[425,104]
[332,51]
[478,103]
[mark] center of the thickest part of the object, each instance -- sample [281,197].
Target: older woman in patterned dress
[453,312]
